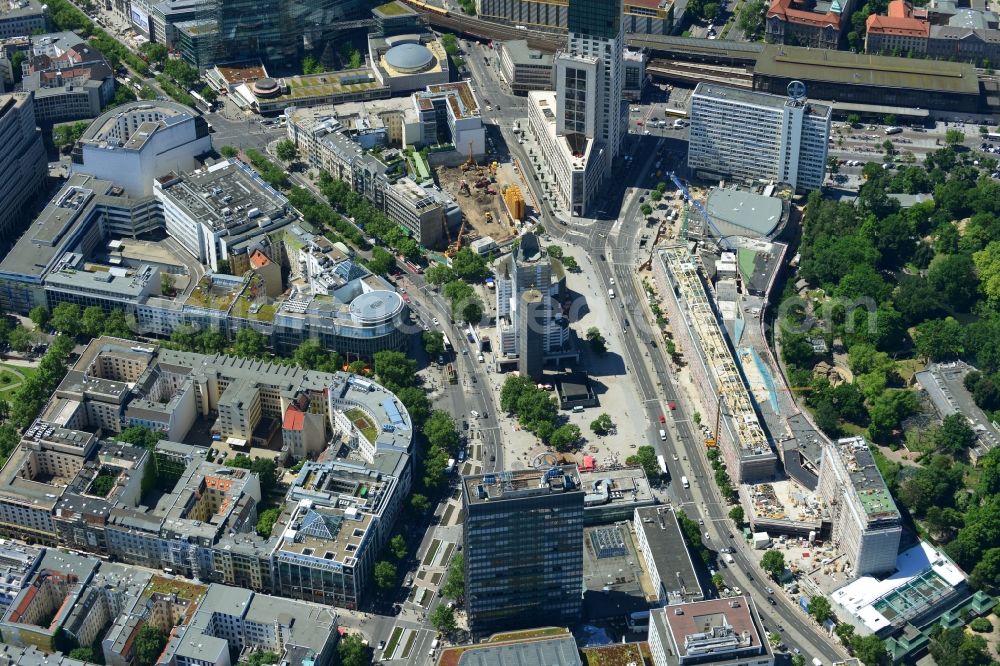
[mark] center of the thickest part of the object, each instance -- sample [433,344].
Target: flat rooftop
[719,627]
[11,9]
[844,67]
[866,480]
[627,485]
[393,9]
[671,557]
[923,574]
[305,86]
[325,533]
[461,98]
[521,54]
[576,148]
[755,98]
[51,233]
[510,485]
[560,651]
[226,195]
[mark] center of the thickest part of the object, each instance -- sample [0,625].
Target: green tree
[773,563]
[737,515]
[469,266]
[454,586]
[382,261]
[565,437]
[385,574]
[954,137]
[955,436]
[311,66]
[228,151]
[570,264]
[149,643]
[433,342]
[420,503]
[798,660]
[66,319]
[870,650]
[39,315]
[514,387]
[646,210]
[83,654]
[395,369]
[439,274]
[953,276]
[266,521]
[440,431]
[987,262]
[397,545]
[267,474]
[597,342]
[554,251]
[602,425]
[352,651]
[645,457]
[939,339]
[154,51]
[249,343]
[820,609]
[286,150]
[310,355]
[443,619]
[718,581]
[20,339]
[845,632]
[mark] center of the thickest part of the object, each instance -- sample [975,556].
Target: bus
[447,342]
[662,463]
[200,102]
[677,113]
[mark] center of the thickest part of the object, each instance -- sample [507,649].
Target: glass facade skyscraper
[523,535]
[596,19]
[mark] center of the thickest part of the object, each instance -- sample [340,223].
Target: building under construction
[729,408]
[866,523]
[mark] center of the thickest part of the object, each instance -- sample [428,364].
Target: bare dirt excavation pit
[471,189]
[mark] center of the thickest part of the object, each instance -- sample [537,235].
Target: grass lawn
[390,647]
[615,655]
[182,589]
[362,423]
[527,634]
[11,377]
[409,645]
[431,552]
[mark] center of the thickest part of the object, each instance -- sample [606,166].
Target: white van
[663,435]
[611,294]
[481,359]
[577,409]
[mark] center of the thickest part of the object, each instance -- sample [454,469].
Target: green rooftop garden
[363,423]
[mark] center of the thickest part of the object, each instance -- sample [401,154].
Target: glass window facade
[595,18]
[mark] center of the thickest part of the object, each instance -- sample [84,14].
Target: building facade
[753,136]
[866,523]
[21,18]
[23,163]
[647,17]
[523,557]
[523,68]
[70,78]
[819,25]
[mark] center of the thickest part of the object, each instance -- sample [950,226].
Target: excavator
[453,248]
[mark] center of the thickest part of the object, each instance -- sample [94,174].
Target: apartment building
[23,164]
[21,18]
[644,17]
[866,523]
[752,136]
[523,557]
[70,78]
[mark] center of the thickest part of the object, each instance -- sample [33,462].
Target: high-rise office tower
[23,165]
[523,536]
[590,73]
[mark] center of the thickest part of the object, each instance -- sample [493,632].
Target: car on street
[672,405]
[663,419]
[771,601]
[474,414]
[436,322]
[381,645]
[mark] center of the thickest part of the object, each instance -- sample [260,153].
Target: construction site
[492,204]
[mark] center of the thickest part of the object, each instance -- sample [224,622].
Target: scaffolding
[732,391]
